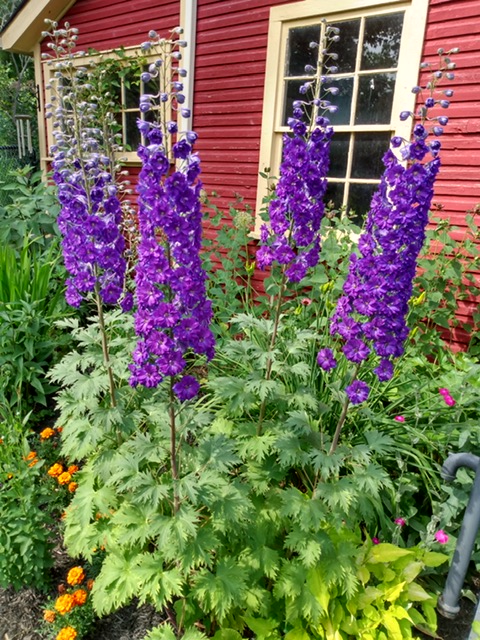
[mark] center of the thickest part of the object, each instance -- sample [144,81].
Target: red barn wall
[229,81]
[457,190]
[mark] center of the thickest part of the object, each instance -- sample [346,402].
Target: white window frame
[285,17]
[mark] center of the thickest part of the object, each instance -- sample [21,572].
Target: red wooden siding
[229,82]
[107,24]
[457,24]
[229,79]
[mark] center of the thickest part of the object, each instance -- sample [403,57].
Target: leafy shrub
[31,298]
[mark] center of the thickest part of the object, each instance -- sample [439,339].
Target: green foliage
[447,274]
[31,298]
[28,512]
[30,210]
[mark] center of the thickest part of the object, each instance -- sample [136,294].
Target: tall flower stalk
[85,174]
[292,238]
[173,314]
[370,318]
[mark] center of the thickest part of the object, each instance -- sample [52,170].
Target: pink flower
[400,522]
[306,302]
[449,400]
[444,392]
[400,418]
[441,537]
[375,540]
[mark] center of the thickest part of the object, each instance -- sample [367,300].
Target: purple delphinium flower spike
[83,170]
[371,314]
[173,313]
[292,239]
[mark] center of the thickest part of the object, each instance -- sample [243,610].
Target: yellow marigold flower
[31,455]
[9,476]
[33,462]
[55,470]
[80,596]
[47,433]
[72,469]
[75,576]
[67,633]
[64,603]
[49,615]
[64,478]
[72,487]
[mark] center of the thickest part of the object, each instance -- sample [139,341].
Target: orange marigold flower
[59,429]
[33,462]
[55,470]
[90,583]
[75,576]
[64,603]
[64,478]
[72,487]
[80,596]
[49,615]
[67,633]
[72,469]
[47,433]
[31,455]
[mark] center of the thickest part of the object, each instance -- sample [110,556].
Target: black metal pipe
[448,602]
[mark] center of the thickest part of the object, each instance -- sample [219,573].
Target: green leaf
[298,633]
[227,634]
[386,552]
[261,627]
[416,593]
[434,558]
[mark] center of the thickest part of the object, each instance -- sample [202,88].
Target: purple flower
[371,313]
[326,359]
[357,392]
[356,350]
[186,388]
[384,371]
[296,212]
[173,314]
[400,522]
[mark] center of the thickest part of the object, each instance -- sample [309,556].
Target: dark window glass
[359,199]
[343,101]
[381,42]
[375,98]
[339,155]
[131,133]
[334,194]
[368,151]
[346,47]
[292,93]
[299,52]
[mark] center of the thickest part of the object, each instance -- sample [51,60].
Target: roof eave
[24,31]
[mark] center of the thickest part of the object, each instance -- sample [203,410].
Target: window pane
[381,44]
[334,194]
[292,93]
[132,95]
[339,155]
[346,47]
[299,52]
[375,98]
[359,198]
[343,101]
[368,151]
[131,133]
